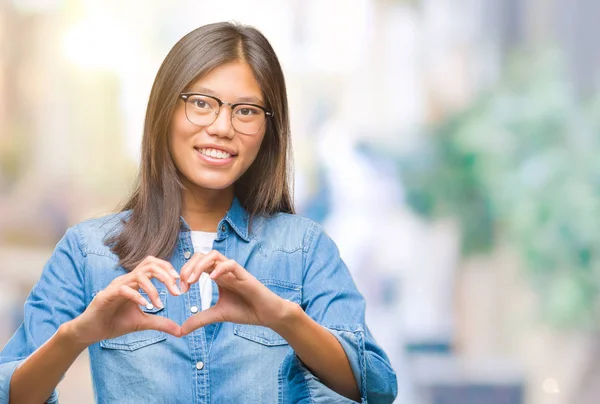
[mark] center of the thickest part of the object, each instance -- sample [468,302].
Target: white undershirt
[203,243]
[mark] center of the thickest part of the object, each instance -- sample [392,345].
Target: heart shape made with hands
[242,299]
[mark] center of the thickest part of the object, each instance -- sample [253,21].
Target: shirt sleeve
[56,298]
[331,298]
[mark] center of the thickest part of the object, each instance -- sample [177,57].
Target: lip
[216,147]
[212,161]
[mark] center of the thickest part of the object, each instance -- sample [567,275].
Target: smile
[214,153]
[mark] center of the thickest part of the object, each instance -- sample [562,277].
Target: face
[214,156]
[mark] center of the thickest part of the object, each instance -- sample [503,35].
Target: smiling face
[212,157]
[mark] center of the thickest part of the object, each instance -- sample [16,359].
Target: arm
[330,298]
[45,368]
[319,350]
[58,326]
[56,298]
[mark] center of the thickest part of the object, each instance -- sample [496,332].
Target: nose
[222,124]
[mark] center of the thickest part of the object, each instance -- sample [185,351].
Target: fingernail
[175,274]
[176,289]
[144,302]
[160,304]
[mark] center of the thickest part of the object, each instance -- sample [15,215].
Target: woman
[284,321]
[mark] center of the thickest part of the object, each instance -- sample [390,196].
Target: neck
[203,209]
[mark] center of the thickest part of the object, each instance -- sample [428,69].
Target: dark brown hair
[153,226]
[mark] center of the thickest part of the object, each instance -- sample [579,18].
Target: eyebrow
[208,91]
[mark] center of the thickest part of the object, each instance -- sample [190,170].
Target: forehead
[231,81]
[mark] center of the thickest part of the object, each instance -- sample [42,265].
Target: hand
[115,310]
[242,298]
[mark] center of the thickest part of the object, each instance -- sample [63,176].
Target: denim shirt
[218,363]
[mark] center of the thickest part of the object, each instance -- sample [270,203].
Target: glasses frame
[185,97]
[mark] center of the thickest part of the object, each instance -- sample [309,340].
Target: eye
[248,111]
[199,103]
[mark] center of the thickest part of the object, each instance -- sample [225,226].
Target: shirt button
[187,255]
[149,306]
[223,228]
[194,309]
[199,365]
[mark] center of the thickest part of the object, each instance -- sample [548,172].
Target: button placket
[193,294]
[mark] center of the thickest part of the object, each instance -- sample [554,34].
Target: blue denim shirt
[219,363]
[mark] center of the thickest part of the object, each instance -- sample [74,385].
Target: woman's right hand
[115,311]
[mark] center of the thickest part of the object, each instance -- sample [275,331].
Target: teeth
[217,154]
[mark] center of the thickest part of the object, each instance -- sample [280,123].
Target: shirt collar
[236,216]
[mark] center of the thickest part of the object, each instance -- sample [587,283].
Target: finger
[129,279]
[166,266]
[229,281]
[159,323]
[222,268]
[187,268]
[233,276]
[133,295]
[206,264]
[205,317]
[144,283]
[184,286]
[150,264]
[155,268]
[165,277]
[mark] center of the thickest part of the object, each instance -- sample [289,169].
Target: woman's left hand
[242,298]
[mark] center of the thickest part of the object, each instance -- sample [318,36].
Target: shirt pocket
[264,335]
[140,339]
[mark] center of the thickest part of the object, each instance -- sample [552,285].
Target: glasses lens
[201,110]
[248,119]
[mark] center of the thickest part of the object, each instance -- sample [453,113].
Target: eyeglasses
[202,110]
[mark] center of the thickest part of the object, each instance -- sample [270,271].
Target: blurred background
[448,146]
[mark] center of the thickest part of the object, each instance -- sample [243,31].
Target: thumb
[159,323]
[205,317]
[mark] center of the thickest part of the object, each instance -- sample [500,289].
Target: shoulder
[285,231]
[92,233]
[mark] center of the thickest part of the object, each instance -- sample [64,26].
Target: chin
[213,184]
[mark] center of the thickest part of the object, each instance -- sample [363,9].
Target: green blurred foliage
[522,165]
